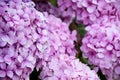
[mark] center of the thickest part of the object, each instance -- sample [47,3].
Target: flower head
[56,39]
[88,11]
[17,39]
[101,45]
[64,67]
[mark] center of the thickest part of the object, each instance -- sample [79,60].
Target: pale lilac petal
[2,73]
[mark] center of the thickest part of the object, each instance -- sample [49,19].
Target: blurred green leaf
[53,2]
[83,60]
[81,30]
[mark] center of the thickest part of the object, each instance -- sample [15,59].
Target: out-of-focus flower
[45,6]
[26,0]
[64,67]
[117,6]
[101,45]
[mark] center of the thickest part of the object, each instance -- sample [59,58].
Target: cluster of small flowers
[87,11]
[58,39]
[17,35]
[30,39]
[64,67]
[101,45]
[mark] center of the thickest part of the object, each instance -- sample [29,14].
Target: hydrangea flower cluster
[101,46]
[88,11]
[17,37]
[64,67]
[58,39]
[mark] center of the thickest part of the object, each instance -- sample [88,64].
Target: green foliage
[53,2]
[81,30]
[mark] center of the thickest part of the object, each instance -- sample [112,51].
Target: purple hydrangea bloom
[57,39]
[101,45]
[88,11]
[17,39]
[64,67]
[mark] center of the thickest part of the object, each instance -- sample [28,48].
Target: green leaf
[53,2]
[81,30]
[83,60]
